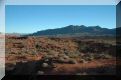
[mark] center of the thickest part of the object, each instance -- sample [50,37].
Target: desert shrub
[61,60]
[65,51]
[61,55]
[24,61]
[83,61]
[105,56]
[14,63]
[84,48]
[102,56]
[24,51]
[52,52]
[40,72]
[88,57]
[45,65]
[72,61]
[47,57]
[18,45]
[46,60]
[73,55]
[37,46]
[21,57]
[12,53]
[32,52]
[77,52]
[66,57]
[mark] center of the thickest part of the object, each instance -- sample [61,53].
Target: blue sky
[32,18]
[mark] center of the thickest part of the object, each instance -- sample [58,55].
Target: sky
[62,2]
[32,18]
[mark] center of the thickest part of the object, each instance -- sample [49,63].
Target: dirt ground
[24,56]
[94,67]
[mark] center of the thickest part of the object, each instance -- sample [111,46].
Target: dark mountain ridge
[76,30]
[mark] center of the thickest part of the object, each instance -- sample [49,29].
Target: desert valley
[54,54]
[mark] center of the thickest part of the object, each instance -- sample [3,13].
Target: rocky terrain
[61,56]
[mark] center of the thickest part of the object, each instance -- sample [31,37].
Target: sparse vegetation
[40,73]
[72,61]
[49,53]
[45,65]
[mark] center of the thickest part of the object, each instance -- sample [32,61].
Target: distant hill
[12,34]
[75,30]
[15,34]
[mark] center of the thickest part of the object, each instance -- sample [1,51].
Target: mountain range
[76,30]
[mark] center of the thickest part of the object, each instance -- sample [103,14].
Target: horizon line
[54,28]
